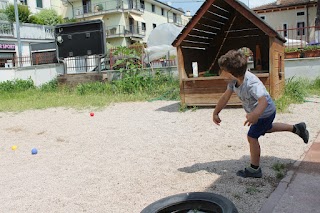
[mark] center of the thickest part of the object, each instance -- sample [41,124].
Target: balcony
[125,31]
[6,29]
[113,6]
[176,20]
[27,31]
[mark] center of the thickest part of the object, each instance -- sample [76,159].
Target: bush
[16,85]
[46,17]
[23,11]
[51,86]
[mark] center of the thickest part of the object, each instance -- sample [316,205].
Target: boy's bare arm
[253,116]
[220,105]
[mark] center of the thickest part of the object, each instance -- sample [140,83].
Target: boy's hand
[216,119]
[252,118]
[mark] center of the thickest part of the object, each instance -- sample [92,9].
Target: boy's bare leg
[251,171]
[254,151]
[281,127]
[299,129]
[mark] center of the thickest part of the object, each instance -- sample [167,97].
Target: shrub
[50,86]
[16,85]
[23,11]
[46,17]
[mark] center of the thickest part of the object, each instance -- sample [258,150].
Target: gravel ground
[129,155]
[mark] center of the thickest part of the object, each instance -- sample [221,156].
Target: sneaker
[301,130]
[250,172]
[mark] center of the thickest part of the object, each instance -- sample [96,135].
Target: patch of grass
[183,107]
[280,169]
[296,90]
[236,196]
[194,108]
[252,190]
[22,95]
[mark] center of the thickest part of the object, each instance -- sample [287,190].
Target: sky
[193,5]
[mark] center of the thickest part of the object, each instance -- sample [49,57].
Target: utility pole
[18,32]
[317,23]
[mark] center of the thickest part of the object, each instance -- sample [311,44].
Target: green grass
[280,169]
[296,91]
[20,95]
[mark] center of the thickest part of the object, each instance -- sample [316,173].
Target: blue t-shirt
[250,91]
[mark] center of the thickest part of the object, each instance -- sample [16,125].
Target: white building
[294,19]
[36,5]
[126,21]
[29,34]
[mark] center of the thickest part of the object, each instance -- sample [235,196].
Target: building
[294,19]
[29,34]
[36,5]
[126,21]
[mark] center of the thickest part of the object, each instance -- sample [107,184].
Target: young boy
[256,102]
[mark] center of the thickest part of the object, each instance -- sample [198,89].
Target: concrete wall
[302,67]
[40,74]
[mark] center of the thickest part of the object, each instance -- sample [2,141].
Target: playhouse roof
[226,19]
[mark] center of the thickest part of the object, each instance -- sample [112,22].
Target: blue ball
[34,151]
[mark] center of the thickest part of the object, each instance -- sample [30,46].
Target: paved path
[299,191]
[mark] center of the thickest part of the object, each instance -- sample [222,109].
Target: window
[174,18]
[153,8]
[263,17]
[162,11]
[154,26]
[300,30]
[143,26]
[39,3]
[24,2]
[285,31]
[300,13]
[142,4]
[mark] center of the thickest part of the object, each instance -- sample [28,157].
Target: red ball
[91,114]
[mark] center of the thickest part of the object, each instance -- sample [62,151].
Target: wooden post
[182,73]
[258,58]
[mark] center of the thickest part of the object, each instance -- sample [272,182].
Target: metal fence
[300,37]
[25,61]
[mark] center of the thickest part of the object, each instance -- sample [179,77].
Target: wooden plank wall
[208,90]
[277,73]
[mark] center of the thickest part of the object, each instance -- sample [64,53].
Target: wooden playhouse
[217,27]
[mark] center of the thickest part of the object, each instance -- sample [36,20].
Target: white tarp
[160,40]
[295,43]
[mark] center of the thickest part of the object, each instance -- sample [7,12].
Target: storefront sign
[7,46]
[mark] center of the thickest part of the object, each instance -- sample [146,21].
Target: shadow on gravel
[243,192]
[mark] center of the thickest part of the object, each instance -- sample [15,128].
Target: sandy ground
[131,154]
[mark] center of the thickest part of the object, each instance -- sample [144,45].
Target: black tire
[201,201]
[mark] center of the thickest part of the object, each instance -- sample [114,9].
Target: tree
[23,11]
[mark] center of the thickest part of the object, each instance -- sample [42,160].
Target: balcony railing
[175,20]
[121,30]
[3,5]
[107,6]
[6,29]
[27,31]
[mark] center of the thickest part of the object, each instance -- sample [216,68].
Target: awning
[137,18]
